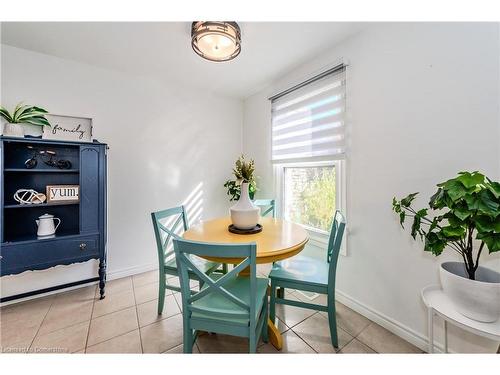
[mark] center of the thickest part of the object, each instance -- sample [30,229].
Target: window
[308,151]
[309,195]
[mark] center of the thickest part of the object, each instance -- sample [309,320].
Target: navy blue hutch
[81,235]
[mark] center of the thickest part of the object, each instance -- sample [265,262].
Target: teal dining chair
[311,274]
[228,304]
[267,206]
[167,226]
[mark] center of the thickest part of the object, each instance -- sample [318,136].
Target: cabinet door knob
[83,246]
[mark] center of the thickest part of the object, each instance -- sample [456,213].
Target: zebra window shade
[308,123]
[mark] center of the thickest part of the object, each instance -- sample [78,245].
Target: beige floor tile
[291,344]
[356,347]
[163,335]
[383,341]
[127,343]
[16,336]
[148,312]
[218,343]
[116,286]
[112,325]
[113,302]
[81,295]
[66,340]
[27,311]
[145,278]
[65,313]
[148,292]
[316,332]
[21,321]
[179,350]
[282,327]
[292,315]
[349,320]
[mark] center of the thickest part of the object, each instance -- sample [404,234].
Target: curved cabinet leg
[102,277]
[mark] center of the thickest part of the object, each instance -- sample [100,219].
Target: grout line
[38,330]
[137,315]
[90,322]
[114,337]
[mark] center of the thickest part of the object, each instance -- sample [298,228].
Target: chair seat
[203,265]
[303,269]
[240,288]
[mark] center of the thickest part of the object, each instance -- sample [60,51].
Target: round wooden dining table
[279,239]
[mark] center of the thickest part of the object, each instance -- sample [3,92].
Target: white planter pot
[13,130]
[33,130]
[244,214]
[476,299]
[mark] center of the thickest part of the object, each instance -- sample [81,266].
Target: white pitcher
[46,225]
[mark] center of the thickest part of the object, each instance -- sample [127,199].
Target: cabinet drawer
[47,253]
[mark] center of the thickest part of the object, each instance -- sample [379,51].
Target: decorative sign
[68,128]
[63,193]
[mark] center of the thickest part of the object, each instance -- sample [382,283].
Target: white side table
[439,304]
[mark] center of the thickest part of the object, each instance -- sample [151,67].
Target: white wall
[164,141]
[423,104]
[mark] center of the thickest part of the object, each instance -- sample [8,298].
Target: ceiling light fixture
[216,40]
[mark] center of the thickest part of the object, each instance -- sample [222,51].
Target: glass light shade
[216,41]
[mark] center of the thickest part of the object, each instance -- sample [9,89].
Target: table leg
[274,335]
[445,336]
[430,327]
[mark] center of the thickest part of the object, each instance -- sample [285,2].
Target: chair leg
[253,342]
[332,321]
[224,268]
[188,340]
[264,333]
[161,294]
[281,292]
[272,303]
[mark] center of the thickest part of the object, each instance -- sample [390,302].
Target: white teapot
[46,225]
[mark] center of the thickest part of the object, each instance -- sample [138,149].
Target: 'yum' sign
[63,193]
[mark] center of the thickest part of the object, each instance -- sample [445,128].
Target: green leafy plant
[316,205]
[243,172]
[25,114]
[468,209]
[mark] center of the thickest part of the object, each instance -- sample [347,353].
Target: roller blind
[308,120]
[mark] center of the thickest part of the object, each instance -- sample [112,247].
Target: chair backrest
[266,206]
[334,242]
[166,225]
[185,251]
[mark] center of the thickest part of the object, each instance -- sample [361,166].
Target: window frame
[317,237]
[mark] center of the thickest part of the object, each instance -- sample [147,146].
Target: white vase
[13,130]
[476,299]
[244,214]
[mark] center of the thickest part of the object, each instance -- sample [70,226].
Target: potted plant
[467,221]
[244,214]
[23,114]
[241,171]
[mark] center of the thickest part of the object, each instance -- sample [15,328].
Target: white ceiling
[163,50]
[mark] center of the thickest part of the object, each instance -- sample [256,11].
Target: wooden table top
[278,240]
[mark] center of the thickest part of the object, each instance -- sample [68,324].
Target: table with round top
[279,239]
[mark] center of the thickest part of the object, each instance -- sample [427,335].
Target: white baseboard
[118,274]
[388,323]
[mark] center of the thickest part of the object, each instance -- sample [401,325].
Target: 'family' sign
[67,128]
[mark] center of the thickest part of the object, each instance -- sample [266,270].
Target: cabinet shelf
[34,170]
[40,205]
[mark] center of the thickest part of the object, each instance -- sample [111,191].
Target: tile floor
[126,322]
